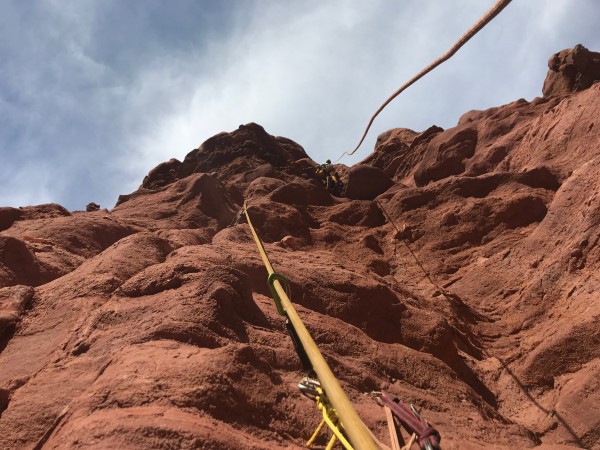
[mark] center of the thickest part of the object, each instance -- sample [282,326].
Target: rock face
[571,70]
[366,182]
[151,325]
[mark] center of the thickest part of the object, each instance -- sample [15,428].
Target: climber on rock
[330,178]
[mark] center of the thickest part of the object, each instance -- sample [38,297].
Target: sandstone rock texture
[571,70]
[151,326]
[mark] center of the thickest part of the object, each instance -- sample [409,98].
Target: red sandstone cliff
[151,325]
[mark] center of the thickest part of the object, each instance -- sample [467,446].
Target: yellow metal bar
[331,442]
[333,426]
[358,434]
[313,438]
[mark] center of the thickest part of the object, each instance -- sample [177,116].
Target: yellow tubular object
[331,443]
[357,432]
[333,426]
[313,438]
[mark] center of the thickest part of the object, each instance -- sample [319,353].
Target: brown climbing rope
[404,241]
[483,21]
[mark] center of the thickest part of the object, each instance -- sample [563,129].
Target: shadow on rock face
[18,265]
[482,186]
[346,295]
[163,174]
[428,331]
[261,188]
[14,301]
[197,201]
[8,216]
[566,351]
[231,290]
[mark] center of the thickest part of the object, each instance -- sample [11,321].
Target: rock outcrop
[571,70]
[151,325]
[366,182]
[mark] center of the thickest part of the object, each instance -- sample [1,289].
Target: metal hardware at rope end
[309,387]
[414,410]
[277,276]
[238,217]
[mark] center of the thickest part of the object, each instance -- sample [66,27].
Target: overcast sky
[95,93]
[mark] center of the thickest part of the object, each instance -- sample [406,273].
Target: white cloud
[100,92]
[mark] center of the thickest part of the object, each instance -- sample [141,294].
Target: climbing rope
[483,21]
[333,402]
[410,250]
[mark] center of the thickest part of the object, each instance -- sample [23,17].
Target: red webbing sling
[428,438]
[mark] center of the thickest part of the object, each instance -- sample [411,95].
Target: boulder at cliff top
[246,148]
[236,159]
[571,70]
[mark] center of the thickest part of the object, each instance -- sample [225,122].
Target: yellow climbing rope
[332,395]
